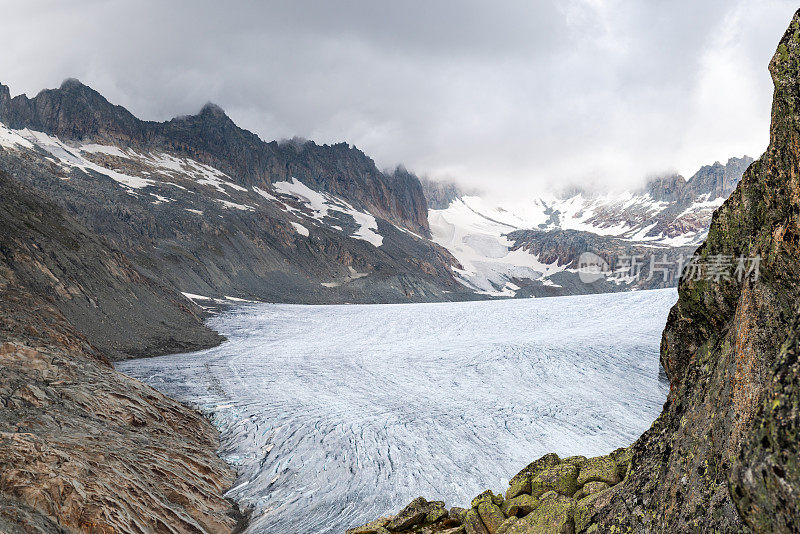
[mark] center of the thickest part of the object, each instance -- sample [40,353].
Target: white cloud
[507,96]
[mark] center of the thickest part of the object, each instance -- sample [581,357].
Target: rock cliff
[722,456]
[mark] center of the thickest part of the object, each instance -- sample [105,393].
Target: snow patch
[233,205]
[478,241]
[302,230]
[318,206]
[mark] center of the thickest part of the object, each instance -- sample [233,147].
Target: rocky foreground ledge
[550,496]
[723,454]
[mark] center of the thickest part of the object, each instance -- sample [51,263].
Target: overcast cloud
[508,96]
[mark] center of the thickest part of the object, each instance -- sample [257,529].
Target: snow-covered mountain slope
[478,238]
[192,222]
[500,246]
[161,177]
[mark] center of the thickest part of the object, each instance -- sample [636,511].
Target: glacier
[335,415]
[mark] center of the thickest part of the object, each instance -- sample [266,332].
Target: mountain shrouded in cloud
[501,96]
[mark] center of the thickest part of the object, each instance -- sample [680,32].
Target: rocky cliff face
[440,194]
[713,181]
[121,311]
[703,464]
[722,456]
[82,447]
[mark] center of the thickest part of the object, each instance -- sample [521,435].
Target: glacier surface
[335,415]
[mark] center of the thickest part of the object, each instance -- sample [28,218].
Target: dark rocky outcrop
[723,455]
[564,247]
[440,193]
[716,180]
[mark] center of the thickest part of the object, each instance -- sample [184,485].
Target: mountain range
[533,247]
[209,209]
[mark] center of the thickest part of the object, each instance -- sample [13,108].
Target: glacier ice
[335,415]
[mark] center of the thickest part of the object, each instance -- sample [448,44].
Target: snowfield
[475,232]
[335,415]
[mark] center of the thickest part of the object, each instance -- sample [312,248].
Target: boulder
[487,496]
[519,485]
[577,461]
[414,514]
[472,523]
[590,488]
[373,527]
[520,506]
[600,468]
[457,513]
[491,516]
[437,514]
[552,516]
[561,478]
[521,482]
[507,524]
[622,457]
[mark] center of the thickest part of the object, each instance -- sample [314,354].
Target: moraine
[335,415]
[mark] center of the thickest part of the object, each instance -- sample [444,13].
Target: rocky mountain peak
[718,180]
[212,111]
[73,84]
[73,111]
[5,99]
[668,187]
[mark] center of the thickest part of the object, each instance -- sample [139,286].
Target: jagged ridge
[77,112]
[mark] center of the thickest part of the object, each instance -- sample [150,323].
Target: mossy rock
[600,468]
[414,514]
[472,522]
[577,461]
[519,506]
[552,516]
[507,524]
[586,507]
[373,527]
[487,496]
[456,512]
[437,514]
[533,468]
[518,486]
[622,457]
[491,516]
[589,488]
[561,478]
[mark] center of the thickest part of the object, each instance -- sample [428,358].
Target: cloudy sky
[509,96]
